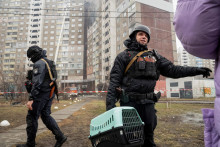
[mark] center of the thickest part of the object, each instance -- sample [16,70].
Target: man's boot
[60,141]
[25,145]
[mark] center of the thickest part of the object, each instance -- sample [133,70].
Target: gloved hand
[204,71]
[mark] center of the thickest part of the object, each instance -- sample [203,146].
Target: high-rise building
[13,42]
[108,8]
[55,25]
[94,52]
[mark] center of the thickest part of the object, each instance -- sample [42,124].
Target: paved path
[18,134]
[188,102]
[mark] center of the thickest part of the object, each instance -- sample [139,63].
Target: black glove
[204,71]
[157,96]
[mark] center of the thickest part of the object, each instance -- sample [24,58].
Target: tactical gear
[34,52]
[28,83]
[144,65]
[133,59]
[139,98]
[53,84]
[140,28]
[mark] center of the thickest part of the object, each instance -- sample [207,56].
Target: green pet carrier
[118,127]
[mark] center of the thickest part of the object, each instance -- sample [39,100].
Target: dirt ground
[16,114]
[179,125]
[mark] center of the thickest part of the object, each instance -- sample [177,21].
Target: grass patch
[16,115]
[171,129]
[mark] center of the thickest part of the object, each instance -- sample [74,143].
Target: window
[79,42]
[65,41]
[118,47]
[174,84]
[125,14]
[124,34]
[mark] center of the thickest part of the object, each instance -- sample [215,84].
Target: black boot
[60,141]
[25,145]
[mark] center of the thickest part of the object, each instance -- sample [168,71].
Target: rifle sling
[51,77]
[132,61]
[48,67]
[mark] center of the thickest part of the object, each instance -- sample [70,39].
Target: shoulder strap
[132,60]
[48,67]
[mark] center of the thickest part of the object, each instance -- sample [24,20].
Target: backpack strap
[132,60]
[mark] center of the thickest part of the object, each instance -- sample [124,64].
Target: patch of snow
[4,123]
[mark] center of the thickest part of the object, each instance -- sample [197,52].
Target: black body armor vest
[145,66]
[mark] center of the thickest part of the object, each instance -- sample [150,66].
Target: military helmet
[140,28]
[33,50]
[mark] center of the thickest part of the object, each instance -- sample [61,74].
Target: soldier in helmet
[41,97]
[133,78]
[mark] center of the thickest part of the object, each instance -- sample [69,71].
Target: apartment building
[13,39]
[55,25]
[108,8]
[94,52]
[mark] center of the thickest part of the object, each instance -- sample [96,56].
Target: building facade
[189,87]
[55,25]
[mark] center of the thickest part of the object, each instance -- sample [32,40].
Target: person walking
[41,97]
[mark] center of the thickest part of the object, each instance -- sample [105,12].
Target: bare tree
[12,83]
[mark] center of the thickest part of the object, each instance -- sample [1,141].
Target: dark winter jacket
[140,85]
[41,79]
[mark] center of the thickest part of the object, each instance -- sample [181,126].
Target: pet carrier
[118,127]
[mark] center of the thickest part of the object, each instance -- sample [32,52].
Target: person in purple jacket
[197,25]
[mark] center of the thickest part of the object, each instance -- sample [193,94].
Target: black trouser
[41,106]
[147,113]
